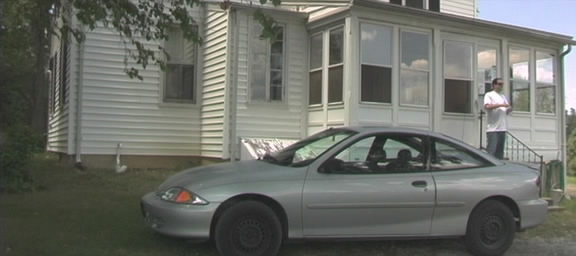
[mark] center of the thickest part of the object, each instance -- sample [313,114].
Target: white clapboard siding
[214,82]
[119,110]
[459,7]
[59,130]
[272,119]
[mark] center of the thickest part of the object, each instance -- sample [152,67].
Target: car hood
[230,173]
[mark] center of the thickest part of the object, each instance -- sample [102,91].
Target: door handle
[420,183]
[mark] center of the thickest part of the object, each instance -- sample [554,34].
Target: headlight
[181,196]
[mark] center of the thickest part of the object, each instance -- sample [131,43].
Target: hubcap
[492,230]
[250,234]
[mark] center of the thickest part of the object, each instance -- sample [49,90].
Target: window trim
[337,65]
[429,70]
[252,36]
[471,78]
[195,62]
[312,70]
[393,28]
[511,79]
[540,85]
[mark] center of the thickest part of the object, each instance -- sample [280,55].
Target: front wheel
[248,228]
[491,229]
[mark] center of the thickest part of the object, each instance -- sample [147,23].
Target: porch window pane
[520,95]
[316,51]
[414,87]
[487,67]
[336,46]
[520,78]
[457,77]
[457,96]
[335,84]
[415,52]
[376,44]
[545,83]
[376,84]
[315,90]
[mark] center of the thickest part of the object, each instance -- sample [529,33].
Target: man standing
[497,109]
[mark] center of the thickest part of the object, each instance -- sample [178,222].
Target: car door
[354,194]
[463,178]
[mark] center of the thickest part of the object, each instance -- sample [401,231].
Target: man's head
[497,84]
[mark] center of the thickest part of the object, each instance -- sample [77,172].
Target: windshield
[307,150]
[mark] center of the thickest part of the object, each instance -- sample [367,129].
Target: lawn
[96,212]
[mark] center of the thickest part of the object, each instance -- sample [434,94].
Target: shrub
[17,149]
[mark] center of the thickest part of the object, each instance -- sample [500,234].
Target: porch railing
[516,150]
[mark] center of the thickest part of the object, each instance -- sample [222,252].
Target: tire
[248,228]
[491,229]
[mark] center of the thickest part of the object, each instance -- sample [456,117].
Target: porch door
[468,68]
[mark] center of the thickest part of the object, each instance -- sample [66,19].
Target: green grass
[572,180]
[96,212]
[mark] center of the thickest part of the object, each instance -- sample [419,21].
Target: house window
[415,68]
[336,65]
[433,5]
[52,84]
[545,84]
[486,67]
[315,74]
[180,73]
[64,69]
[376,63]
[267,65]
[457,77]
[520,79]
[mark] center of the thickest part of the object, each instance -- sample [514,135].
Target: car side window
[448,156]
[379,154]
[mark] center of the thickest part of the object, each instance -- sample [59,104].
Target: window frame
[543,85]
[194,62]
[432,151]
[428,70]
[425,149]
[330,66]
[512,80]
[469,79]
[425,4]
[253,35]
[391,66]
[319,69]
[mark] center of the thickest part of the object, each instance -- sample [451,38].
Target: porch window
[336,66]
[180,73]
[415,68]
[520,79]
[64,69]
[267,65]
[315,74]
[545,84]
[487,67]
[457,77]
[376,63]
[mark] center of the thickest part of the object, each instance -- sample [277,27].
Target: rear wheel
[491,229]
[248,228]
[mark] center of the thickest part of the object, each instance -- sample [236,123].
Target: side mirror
[333,165]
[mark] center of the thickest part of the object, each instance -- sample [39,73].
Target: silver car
[352,182]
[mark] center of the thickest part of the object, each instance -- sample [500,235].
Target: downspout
[563,119]
[79,98]
[232,141]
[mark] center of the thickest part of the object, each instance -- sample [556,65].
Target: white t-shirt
[496,117]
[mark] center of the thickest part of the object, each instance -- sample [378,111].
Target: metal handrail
[516,150]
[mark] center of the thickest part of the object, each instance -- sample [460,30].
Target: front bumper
[533,212]
[190,221]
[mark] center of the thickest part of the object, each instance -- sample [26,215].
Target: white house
[415,63]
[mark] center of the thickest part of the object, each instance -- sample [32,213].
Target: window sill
[415,106]
[268,104]
[178,105]
[469,115]
[550,115]
[379,104]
